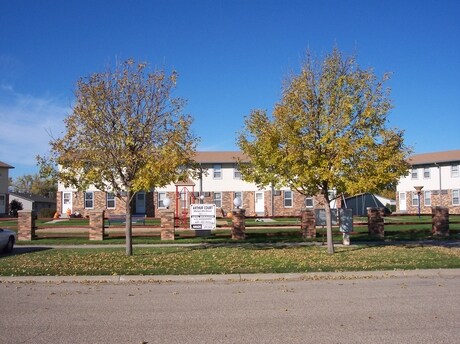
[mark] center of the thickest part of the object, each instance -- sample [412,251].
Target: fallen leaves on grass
[220,260]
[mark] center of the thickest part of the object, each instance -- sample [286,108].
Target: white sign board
[202,216]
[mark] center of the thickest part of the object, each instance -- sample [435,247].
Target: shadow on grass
[18,250]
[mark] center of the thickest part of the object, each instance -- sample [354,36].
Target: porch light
[237,202]
[166,202]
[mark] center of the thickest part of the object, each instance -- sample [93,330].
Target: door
[140,203]
[402,201]
[66,202]
[2,204]
[259,206]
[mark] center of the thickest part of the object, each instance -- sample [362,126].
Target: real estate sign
[202,216]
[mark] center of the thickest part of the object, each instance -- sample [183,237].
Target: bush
[46,212]
[15,206]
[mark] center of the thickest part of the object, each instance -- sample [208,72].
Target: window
[89,200]
[309,202]
[110,200]
[414,199]
[426,173]
[161,197]
[414,173]
[427,198]
[455,197]
[287,199]
[236,172]
[454,171]
[217,172]
[218,199]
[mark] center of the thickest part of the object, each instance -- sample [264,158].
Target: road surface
[342,309]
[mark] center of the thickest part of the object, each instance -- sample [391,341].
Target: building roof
[32,197]
[2,164]
[219,157]
[436,157]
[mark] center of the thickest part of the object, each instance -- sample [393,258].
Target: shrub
[46,212]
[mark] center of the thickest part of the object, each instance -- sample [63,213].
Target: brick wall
[100,203]
[445,200]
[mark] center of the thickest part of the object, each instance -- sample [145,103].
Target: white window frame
[291,199]
[307,201]
[160,197]
[217,200]
[456,197]
[217,171]
[426,173]
[427,198]
[414,173]
[236,172]
[414,199]
[454,171]
[108,199]
[89,199]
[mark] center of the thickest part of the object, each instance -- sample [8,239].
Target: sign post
[202,216]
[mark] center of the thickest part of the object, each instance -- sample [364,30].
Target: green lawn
[225,260]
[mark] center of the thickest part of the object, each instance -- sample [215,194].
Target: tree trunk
[330,243]
[128,225]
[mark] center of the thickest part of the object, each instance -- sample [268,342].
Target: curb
[234,278]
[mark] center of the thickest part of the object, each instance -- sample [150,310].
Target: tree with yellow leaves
[126,133]
[328,133]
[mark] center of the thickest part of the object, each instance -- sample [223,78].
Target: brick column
[238,224]
[375,222]
[440,220]
[96,225]
[307,223]
[26,225]
[167,224]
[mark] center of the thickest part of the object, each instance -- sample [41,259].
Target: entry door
[2,204]
[66,202]
[259,206]
[140,203]
[402,201]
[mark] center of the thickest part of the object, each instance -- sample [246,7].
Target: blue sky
[231,56]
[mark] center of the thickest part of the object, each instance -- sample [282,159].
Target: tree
[328,133]
[34,184]
[126,134]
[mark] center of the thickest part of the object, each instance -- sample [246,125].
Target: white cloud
[26,122]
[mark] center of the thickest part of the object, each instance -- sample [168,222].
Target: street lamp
[419,191]
[166,202]
[237,202]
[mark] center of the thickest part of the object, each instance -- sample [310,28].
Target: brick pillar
[238,224]
[26,225]
[307,223]
[440,220]
[375,222]
[167,224]
[96,225]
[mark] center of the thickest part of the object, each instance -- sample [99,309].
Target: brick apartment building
[220,184]
[433,180]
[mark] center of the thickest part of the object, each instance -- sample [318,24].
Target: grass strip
[244,258]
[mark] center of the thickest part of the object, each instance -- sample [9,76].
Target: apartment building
[219,183]
[433,180]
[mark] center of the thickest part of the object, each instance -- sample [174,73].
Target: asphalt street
[385,307]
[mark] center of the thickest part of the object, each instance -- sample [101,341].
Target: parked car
[7,240]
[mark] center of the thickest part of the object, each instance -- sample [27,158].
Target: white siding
[432,183]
